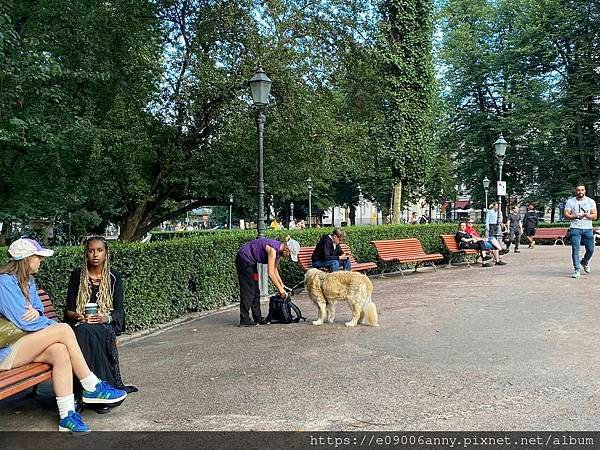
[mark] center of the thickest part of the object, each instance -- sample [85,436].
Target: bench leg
[433,265]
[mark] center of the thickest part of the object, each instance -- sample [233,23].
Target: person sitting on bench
[98,283]
[466,240]
[328,253]
[45,340]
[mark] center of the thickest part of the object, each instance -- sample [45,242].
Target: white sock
[89,383]
[65,404]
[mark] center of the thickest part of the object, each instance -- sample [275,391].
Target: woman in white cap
[44,340]
[261,251]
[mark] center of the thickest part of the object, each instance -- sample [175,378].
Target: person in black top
[328,253]
[530,223]
[96,282]
[466,240]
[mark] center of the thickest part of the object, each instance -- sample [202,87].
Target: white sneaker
[576,274]
[586,267]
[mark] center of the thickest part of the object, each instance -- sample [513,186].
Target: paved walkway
[503,348]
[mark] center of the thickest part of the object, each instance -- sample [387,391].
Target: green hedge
[166,279]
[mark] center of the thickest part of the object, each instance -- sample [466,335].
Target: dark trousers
[249,290]
[517,239]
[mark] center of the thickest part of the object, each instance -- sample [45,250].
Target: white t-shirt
[575,206]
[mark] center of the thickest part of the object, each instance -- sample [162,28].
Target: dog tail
[370,314]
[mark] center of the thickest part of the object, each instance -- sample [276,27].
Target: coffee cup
[90,309]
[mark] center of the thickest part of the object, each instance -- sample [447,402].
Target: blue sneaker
[73,423]
[104,394]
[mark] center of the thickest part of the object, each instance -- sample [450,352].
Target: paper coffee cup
[91,308]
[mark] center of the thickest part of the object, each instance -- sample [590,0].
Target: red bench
[405,251]
[305,259]
[18,379]
[558,234]
[451,245]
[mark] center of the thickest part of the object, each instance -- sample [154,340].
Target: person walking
[581,210]
[530,223]
[515,228]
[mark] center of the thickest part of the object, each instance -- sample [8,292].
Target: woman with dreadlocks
[96,282]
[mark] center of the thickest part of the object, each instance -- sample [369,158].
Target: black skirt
[98,345]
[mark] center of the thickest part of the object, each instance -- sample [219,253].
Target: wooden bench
[18,379]
[305,259]
[404,251]
[558,234]
[454,251]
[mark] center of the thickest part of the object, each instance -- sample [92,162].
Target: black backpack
[282,310]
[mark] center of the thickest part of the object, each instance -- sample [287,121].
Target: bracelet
[109,318]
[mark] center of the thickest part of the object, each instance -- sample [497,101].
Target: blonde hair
[105,292]
[22,271]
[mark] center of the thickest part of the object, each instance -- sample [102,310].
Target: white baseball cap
[294,248]
[23,248]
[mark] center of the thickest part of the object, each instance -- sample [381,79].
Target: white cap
[23,248]
[294,248]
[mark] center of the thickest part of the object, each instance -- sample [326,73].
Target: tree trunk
[553,205]
[133,229]
[397,201]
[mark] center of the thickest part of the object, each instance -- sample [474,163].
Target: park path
[502,348]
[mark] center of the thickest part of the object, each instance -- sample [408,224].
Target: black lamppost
[310,188]
[230,207]
[486,187]
[260,86]
[500,146]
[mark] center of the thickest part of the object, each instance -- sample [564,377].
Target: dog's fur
[326,289]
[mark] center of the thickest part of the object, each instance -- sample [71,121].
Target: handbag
[9,332]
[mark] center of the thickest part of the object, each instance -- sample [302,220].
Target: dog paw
[329,320]
[317,322]
[350,324]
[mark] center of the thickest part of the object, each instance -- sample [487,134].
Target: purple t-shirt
[255,251]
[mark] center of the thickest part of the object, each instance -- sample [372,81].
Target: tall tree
[405,133]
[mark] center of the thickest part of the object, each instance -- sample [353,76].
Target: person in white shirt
[581,210]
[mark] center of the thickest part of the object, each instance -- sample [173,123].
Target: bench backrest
[399,247]
[49,310]
[450,242]
[551,231]
[305,257]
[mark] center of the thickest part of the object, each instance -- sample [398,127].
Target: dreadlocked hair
[21,270]
[105,293]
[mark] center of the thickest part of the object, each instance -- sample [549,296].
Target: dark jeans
[333,265]
[580,236]
[517,239]
[249,290]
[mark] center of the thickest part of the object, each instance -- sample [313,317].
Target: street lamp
[360,201]
[486,187]
[230,206]
[260,86]
[500,146]
[310,188]
[291,211]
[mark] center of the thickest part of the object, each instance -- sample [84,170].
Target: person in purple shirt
[46,341]
[263,251]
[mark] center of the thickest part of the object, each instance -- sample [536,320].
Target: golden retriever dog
[326,289]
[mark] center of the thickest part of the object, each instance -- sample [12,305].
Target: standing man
[328,253]
[491,220]
[581,210]
[515,228]
[530,223]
